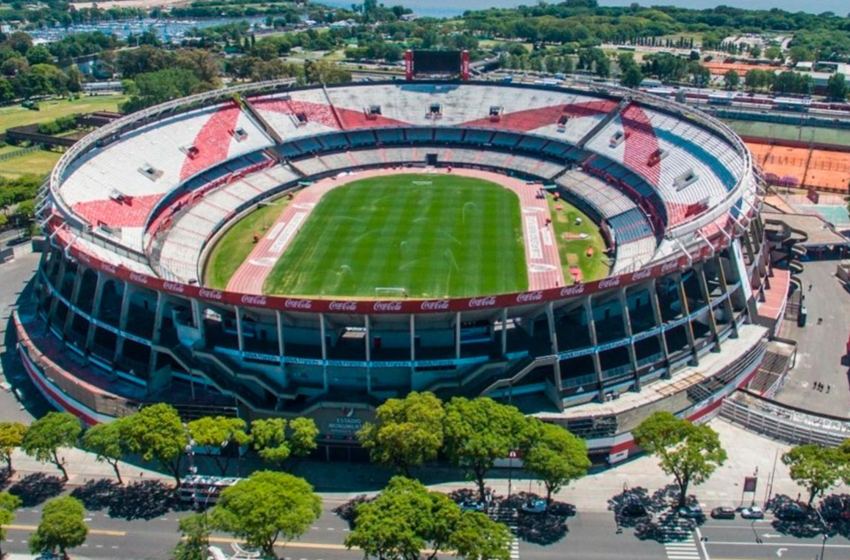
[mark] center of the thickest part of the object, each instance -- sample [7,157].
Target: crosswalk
[514,548]
[682,550]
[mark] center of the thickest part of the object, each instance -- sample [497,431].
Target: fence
[782,422]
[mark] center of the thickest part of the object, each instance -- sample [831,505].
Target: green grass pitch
[431,235]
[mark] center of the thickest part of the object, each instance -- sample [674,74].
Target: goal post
[391,292]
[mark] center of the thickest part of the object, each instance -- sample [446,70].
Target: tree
[195,530]
[755,51]
[731,80]
[107,442]
[156,433]
[303,436]
[48,434]
[687,451]
[773,52]
[62,527]
[836,87]
[407,432]
[265,507]
[814,467]
[8,504]
[480,431]
[222,435]
[268,438]
[556,456]
[632,77]
[11,436]
[405,518]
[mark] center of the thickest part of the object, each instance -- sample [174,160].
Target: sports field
[768,130]
[580,243]
[407,236]
[235,245]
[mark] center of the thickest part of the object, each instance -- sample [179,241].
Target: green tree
[773,52]
[48,434]
[687,451]
[8,504]
[222,435]
[107,442]
[266,507]
[303,436]
[11,436]
[195,530]
[62,527]
[268,438]
[405,518]
[814,467]
[480,431]
[156,433]
[632,77]
[731,80]
[755,51]
[406,433]
[836,87]
[556,456]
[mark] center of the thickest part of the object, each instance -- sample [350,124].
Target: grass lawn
[839,136]
[572,248]
[430,235]
[235,245]
[39,162]
[15,115]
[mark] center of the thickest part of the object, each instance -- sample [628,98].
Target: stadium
[589,254]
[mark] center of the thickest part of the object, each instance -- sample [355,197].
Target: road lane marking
[786,544]
[101,532]
[702,544]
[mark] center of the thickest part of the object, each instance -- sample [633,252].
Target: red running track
[541,249]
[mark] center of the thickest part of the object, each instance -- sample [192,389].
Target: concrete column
[703,288]
[550,320]
[686,310]
[95,311]
[157,322]
[659,322]
[198,318]
[457,335]
[281,347]
[412,340]
[727,301]
[325,382]
[57,285]
[368,322]
[627,328]
[239,338]
[504,331]
[591,329]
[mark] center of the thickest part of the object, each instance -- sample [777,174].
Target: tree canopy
[266,507]
[11,436]
[62,526]
[406,518]
[556,456]
[157,434]
[687,451]
[223,436]
[406,433]
[480,431]
[8,504]
[106,441]
[48,434]
[815,467]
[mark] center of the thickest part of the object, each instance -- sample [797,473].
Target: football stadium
[589,254]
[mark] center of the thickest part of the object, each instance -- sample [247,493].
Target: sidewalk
[749,455]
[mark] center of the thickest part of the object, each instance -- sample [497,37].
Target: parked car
[471,505]
[633,509]
[691,512]
[538,505]
[791,512]
[723,512]
[752,512]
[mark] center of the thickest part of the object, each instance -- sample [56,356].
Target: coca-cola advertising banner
[378,307]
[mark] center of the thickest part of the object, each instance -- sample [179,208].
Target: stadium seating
[182,243]
[120,185]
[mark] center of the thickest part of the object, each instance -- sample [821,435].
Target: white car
[753,512]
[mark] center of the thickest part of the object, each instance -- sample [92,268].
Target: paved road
[734,540]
